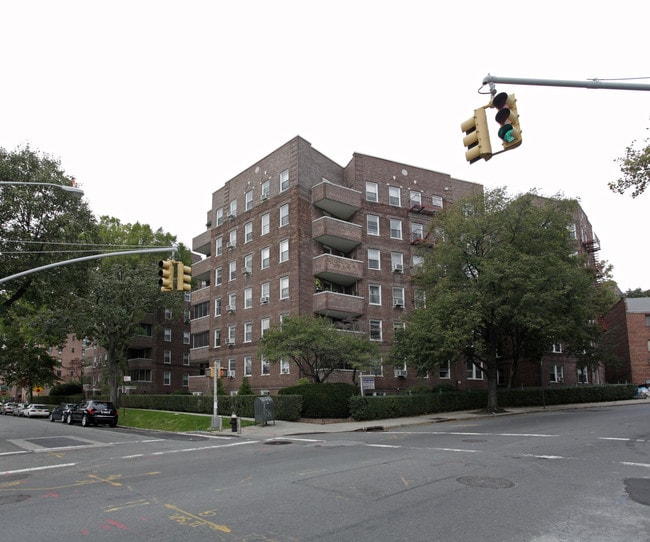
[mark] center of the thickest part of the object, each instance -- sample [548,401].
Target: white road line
[544,456]
[468,434]
[33,469]
[630,464]
[382,446]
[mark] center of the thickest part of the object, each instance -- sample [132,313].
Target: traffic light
[477,137]
[211,371]
[166,274]
[222,372]
[508,118]
[183,277]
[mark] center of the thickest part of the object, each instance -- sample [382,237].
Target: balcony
[201,270]
[335,199]
[203,243]
[337,234]
[338,270]
[338,306]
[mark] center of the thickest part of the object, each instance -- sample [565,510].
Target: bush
[324,400]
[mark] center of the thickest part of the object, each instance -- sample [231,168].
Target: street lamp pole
[72,190]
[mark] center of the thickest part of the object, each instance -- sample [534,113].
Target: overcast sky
[153,105]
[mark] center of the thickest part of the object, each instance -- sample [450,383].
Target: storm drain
[277,441]
[485,482]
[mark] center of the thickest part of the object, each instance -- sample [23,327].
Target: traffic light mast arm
[589,83]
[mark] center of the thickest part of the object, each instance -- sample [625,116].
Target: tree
[502,276]
[315,346]
[635,166]
[121,291]
[40,225]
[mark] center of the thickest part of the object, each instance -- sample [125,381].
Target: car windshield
[38,406]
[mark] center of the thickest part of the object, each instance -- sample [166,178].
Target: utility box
[264,410]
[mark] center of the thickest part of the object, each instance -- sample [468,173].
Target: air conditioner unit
[400,373]
[231,216]
[264,299]
[398,268]
[230,308]
[231,245]
[230,342]
[398,304]
[231,374]
[247,271]
[264,197]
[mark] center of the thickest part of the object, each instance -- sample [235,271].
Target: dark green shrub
[324,400]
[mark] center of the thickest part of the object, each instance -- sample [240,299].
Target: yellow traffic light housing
[508,119]
[211,371]
[477,137]
[166,274]
[183,277]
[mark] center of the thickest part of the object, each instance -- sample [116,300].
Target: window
[417,260]
[373,258]
[248,365]
[218,276]
[417,232]
[395,229]
[217,338]
[218,246]
[232,271]
[232,334]
[266,190]
[248,332]
[647,319]
[167,334]
[186,358]
[572,231]
[473,371]
[217,307]
[186,380]
[284,366]
[284,287]
[232,302]
[232,367]
[556,348]
[582,375]
[218,215]
[201,310]
[140,375]
[265,323]
[248,263]
[167,378]
[265,290]
[167,356]
[199,340]
[374,294]
[284,250]
[284,180]
[266,366]
[248,298]
[372,224]
[266,223]
[394,196]
[557,373]
[415,197]
[232,239]
[397,262]
[233,208]
[284,215]
[436,201]
[372,191]
[444,370]
[248,232]
[398,296]
[375,330]
[266,257]
[186,337]
[249,200]
[376,367]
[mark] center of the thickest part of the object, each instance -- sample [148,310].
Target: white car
[36,410]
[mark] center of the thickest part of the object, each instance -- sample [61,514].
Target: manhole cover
[278,442]
[638,489]
[486,482]
[10,499]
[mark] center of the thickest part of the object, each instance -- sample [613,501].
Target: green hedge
[324,400]
[398,406]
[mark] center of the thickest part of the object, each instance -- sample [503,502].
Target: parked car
[8,408]
[18,409]
[61,412]
[93,412]
[36,410]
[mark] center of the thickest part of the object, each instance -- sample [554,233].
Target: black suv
[93,413]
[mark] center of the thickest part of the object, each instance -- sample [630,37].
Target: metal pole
[87,258]
[590,83]
[216,421]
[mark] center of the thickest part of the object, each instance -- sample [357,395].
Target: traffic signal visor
[477,137]
[508,119]
[166,274]
[183,277]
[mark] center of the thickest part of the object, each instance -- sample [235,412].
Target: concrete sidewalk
[281,428]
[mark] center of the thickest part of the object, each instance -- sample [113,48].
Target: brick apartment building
[629,320]
[297,233]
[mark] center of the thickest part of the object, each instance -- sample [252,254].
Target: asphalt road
[571,475]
